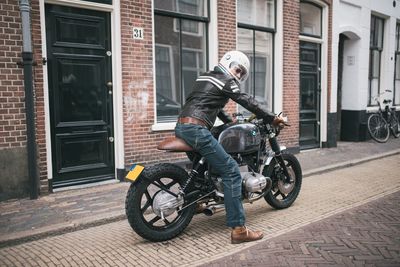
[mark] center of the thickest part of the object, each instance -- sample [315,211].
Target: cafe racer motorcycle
[162,198]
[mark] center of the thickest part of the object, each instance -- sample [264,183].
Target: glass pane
[372,41]
[259,83]
[379,32]
[307,91]
[397,81]
[81,96]
[375,64]
[245,44]
[257,12]
[193,55]
[310,19]
[191,7]
[263,69]
[376,32]
[398,38]
[397,92]
[100,1]
[374,87]
[167,68]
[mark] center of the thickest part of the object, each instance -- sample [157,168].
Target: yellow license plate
[134,172]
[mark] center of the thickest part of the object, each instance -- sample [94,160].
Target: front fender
[271,155]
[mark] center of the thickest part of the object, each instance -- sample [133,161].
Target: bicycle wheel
[378,128]
[394,125]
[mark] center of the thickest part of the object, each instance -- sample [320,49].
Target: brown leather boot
[241,234]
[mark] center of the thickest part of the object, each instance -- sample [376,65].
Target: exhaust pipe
[212,209]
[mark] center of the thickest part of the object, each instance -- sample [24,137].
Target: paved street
[368,235]
[351,195]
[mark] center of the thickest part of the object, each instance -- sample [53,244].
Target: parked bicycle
[383,122]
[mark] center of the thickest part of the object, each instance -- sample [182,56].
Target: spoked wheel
[394,126]
[283,194]
[154,213]
[378,128]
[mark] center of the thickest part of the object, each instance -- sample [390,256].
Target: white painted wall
[352,17]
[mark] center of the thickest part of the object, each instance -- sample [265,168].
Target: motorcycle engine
[253,182]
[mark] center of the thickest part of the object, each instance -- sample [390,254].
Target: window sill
[166,126]
[169,126]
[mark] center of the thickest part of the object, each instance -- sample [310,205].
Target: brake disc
[286,188]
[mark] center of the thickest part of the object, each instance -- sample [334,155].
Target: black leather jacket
[211,91]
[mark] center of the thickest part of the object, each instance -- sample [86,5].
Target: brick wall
[291,25]
[138,87]
[13,156]
[12,93]
[12,106]
[39,97]
[227,36]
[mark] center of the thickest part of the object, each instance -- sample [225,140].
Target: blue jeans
[201,139]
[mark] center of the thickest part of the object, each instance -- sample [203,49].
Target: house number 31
[138,33]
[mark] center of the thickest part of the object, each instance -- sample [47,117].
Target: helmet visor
[239,71]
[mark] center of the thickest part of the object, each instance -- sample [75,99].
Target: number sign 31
[138,33]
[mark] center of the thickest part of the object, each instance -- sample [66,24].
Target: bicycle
[379,123]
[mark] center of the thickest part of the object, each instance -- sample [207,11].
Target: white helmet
[236,64]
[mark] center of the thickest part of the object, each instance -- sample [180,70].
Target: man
[211,92]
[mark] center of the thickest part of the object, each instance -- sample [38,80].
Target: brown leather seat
[174,144]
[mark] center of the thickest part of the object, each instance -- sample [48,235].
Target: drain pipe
[27,62]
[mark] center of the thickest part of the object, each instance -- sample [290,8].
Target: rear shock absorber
[193,173]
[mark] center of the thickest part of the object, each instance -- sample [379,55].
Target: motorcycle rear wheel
[140,208]
[282,195]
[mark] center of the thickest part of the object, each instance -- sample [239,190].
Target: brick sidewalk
[368,235]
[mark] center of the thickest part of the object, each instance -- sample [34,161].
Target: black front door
[310,91]
[80,91]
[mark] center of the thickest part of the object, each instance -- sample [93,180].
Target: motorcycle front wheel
[153,213]
[283,194]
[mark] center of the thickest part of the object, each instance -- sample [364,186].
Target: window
[310,19]
[180,52]
[256,28]
[396,92]
[375,51]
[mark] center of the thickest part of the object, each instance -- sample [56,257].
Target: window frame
[177,18]
[396,63]
[320,20]
[372,49]
[253,29]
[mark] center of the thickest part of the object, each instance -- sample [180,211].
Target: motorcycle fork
[278,155]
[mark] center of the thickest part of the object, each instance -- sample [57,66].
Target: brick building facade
[117,46]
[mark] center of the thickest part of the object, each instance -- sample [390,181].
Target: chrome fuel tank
[241,138]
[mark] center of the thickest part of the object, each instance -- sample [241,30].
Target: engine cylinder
[253,182]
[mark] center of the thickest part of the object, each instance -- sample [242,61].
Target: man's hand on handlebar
[279,122]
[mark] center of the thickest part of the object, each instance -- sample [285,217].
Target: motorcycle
[163,198]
